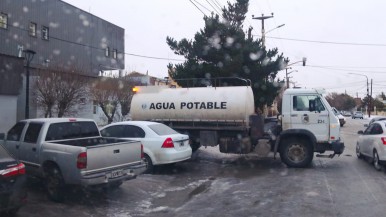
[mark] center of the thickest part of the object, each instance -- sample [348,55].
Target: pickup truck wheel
[149,164]
[55,184]
[296,153]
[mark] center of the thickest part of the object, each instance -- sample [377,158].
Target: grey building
[61,35]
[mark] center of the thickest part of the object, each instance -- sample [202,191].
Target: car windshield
[162,129]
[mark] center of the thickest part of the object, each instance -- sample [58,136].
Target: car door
[316,121]
[29,147]
[364,141]
[13,138]
[375,139]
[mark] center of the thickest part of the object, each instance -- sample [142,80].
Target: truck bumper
[337,147]
[107,177]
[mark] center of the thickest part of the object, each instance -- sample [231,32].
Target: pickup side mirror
[312,105]
[360,132]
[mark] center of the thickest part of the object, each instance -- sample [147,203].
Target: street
[215,184]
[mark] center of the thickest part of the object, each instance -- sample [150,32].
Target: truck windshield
[71,130]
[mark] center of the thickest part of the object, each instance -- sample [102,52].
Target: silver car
[371,144]
[357,114]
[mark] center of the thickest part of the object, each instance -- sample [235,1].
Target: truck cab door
[30,147]
[308,112]
[13,138]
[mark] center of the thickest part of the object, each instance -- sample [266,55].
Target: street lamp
[28,55]
[367,85]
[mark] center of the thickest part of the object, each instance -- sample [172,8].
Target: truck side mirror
[360,132]
[312,105]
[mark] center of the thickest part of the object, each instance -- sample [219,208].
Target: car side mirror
[360,132]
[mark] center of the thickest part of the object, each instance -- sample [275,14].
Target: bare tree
[109,92]
[56,88]
[44,91]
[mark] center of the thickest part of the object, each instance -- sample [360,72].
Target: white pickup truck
[69,151]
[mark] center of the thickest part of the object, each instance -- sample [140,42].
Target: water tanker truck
[225,116]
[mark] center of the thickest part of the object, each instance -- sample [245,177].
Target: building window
[107,52]
[32,29]
[3,21]
[82,101]
[45,32]
[115,53]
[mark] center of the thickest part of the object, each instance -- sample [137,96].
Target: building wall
[7,112]
[77,39]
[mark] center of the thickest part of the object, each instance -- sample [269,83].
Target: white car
[161,144]
[372,144]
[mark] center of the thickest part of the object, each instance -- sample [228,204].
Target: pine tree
[223,49]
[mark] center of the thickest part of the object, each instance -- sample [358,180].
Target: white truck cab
[307,120]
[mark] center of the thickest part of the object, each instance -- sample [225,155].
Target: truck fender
[292,133]
[47,164]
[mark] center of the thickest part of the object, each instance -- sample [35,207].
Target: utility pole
[262,18]
[371,94]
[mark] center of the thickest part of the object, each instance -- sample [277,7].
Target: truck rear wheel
[54,184]
[296,153]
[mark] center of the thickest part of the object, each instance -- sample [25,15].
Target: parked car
[371,144]
[357,114]
[13,192]
[161,144]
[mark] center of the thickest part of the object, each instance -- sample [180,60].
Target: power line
[213,8]
[327,42]
[346,70]
[203,6]
[198,8]
[101,49]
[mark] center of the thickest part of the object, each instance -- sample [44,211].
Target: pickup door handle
[34,149]
[116,151]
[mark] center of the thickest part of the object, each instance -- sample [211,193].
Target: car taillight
[142,154]
[13,171]
[383,140]
[81,162]
[168,143]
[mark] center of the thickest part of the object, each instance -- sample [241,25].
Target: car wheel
[149,164]
[296,153]
[54,184]
[358,152]
[376,164]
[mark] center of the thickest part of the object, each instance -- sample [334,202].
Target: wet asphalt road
[215,184]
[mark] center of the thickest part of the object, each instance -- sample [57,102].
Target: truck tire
[54,184]
[296,153]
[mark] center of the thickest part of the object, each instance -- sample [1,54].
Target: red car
[13,191]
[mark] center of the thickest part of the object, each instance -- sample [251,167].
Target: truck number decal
[320,121]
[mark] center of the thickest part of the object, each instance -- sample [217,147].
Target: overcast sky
[336,37]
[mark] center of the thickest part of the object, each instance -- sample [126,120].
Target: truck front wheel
[296,153]
[54,184]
